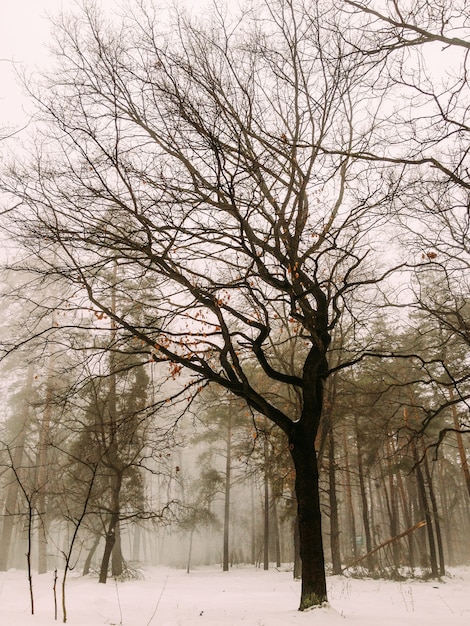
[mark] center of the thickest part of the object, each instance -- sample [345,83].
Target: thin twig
[119,601]
[158,601]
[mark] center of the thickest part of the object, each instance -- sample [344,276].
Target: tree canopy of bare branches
[219,175]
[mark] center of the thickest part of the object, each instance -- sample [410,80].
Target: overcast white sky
[24,32]
[24,37]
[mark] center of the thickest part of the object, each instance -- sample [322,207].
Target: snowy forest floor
[245,596]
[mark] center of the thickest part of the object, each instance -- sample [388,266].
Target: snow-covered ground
[249,597]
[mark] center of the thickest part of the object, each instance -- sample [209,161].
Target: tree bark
[117,563]
[365,504]
[406,508]
[392,502]
[301,436]
[110,537]
[437,524]
[266,502]
[42,478]
[349,498]
[91,552]
[303,453]
[275,530]
[253,523]
[334,521]
[460,444]
[13,487]
[297,559]
[108,548]
[228,478]
[136,543]
[427,515]
[190,550]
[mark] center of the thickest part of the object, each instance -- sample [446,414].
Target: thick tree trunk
[310,529]
[301,436]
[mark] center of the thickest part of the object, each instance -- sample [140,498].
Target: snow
[245,596]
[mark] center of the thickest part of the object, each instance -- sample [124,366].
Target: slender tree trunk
[448,513]
[275,531]
[136,543]
[266,501]
[54,591]
[392,504]
[404,497]
[11,498]
[349,498]
[190,550]
[253,524]
[28,556]
[374,499]
[108,547]
[90,555]
[112,452]
[427,514]
[334,521]
[437,524]
[29,530]
[69,551]
[111,530]
[41,480]
[364,501]
[418,513]
[228,478]
[460,445]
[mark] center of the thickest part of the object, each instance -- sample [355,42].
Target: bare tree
[188,157]
[423,47]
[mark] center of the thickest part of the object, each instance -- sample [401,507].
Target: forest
[236,315]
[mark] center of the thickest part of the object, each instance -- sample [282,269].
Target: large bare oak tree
[186,155]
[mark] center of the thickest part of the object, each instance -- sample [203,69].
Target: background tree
[424,49]
[15,438]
